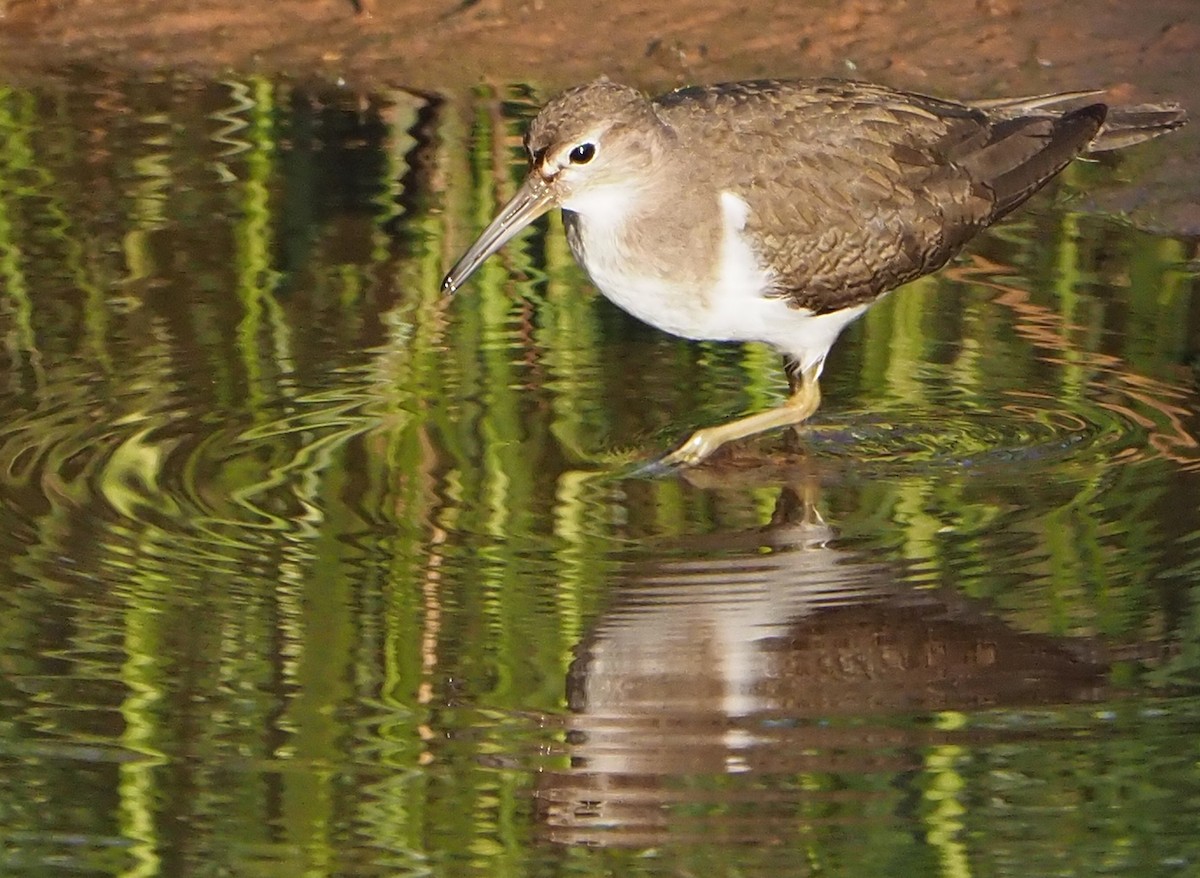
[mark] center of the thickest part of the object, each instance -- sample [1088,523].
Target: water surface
[307,570]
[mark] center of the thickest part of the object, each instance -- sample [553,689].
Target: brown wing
[854,189]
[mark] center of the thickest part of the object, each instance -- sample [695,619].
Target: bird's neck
[655,231]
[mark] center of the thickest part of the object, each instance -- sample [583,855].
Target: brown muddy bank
[1144,51]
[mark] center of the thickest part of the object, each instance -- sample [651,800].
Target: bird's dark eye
[582,154]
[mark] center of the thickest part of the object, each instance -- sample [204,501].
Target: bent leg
[805,399]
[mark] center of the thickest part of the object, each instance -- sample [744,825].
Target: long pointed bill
[531,201]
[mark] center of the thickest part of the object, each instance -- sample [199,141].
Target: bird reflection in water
[764,654]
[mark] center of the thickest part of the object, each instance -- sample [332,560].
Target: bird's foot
[652,469]
[698,448]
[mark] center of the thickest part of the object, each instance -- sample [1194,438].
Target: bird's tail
[1123,126]
[1126,126]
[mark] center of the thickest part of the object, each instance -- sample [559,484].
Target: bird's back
[854,189]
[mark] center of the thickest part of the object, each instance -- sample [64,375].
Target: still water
[305,570]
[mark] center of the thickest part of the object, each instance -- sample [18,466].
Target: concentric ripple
[1028,431]
[193,478]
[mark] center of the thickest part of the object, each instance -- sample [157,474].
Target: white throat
[603,204]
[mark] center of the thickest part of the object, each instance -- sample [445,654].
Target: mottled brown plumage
[778,210]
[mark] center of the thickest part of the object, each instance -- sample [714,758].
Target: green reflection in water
[305,570]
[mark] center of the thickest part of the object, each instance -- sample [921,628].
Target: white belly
[730,303]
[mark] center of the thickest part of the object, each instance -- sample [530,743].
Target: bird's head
[589,151]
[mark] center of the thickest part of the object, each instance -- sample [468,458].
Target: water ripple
[1034,427]
[140,467]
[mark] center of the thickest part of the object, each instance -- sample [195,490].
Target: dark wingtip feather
[1040,149]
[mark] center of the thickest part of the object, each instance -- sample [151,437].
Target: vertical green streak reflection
[316,600]
[907,349]
[153,181]
[896,348]
[760,368]
[944,792]
[17,118]
[400,115]
[1067,280]
[581,555]
[253,234]
[1160,299]
[140,799]
[568,335]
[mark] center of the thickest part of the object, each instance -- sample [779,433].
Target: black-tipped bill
[531,201]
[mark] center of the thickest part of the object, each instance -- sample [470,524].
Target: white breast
[730,305]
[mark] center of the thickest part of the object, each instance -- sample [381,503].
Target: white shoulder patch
[735,211]
[741,274]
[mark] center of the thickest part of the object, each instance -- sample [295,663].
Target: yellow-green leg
[801,404]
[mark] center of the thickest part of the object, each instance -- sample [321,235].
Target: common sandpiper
[778,211]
